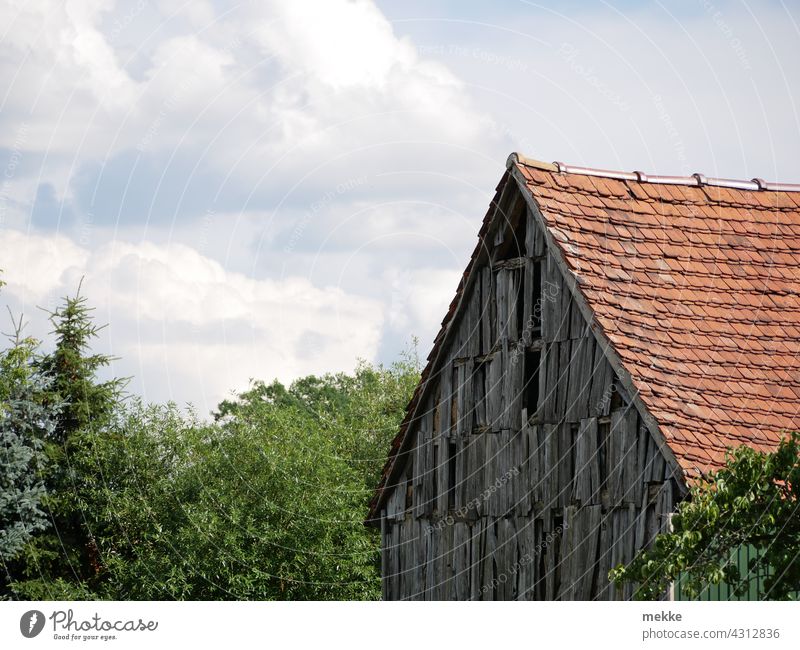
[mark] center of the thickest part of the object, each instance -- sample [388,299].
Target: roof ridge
[695,180]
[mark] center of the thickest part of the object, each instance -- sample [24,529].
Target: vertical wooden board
[616,440]
[460,580]
[540,245]
[530,293]
[466,416]
[488,321]
[473,478]
[602,378]
[429,489]
[512,559]
[462,470]
[448,556]
[494,504]
[641,462]
[394,565]
[385,557]
[577,326]
[564,317]
[602,586]
[585,451]
[442,478]
[473,347]
[522,562]
[566,472]
[551,357]
[479,384]
[563,373]
[575,408]
[589,541]
[420,553]
[531,230]
[495,397]
[551,301]
[520,496]
[549,471]
[487,572]
[664,505]
[631,469]
[501,302]
[567,559]
[477,539]
[513,280]
[445,397]
[550,560]
[513,389]
[534,475]
[419,473]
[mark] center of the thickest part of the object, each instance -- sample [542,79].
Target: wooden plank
[602,379]
[385,557]
[501,298]
[477,534]
[564,370]
[579,382]
[563,323]
[632,475]
[587,473]
[489,313]
[494,392]
[616,440]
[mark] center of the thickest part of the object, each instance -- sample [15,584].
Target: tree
[752,500]
[267,502]
[68,553]
[25,422]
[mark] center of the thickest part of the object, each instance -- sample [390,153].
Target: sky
[259,190]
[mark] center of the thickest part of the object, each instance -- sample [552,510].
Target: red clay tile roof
[697,288]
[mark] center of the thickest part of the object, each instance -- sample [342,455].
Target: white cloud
[186,328]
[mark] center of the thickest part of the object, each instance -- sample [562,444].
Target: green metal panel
[723,591]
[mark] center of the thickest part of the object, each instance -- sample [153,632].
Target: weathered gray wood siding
[529,474]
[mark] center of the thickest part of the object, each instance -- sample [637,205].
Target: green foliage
[752,500]
[68,551]
[24,422]
[266,501]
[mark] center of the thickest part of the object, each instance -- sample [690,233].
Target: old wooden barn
[611,336]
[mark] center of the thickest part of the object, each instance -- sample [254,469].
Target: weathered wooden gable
[527,470]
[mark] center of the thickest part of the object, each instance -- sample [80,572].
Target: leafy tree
[68,553]
[752,500]
[265,503]
[24,422]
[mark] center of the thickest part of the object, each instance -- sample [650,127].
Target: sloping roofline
[514,163]
[695,180]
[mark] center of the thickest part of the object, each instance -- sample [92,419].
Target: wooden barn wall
[529,475]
